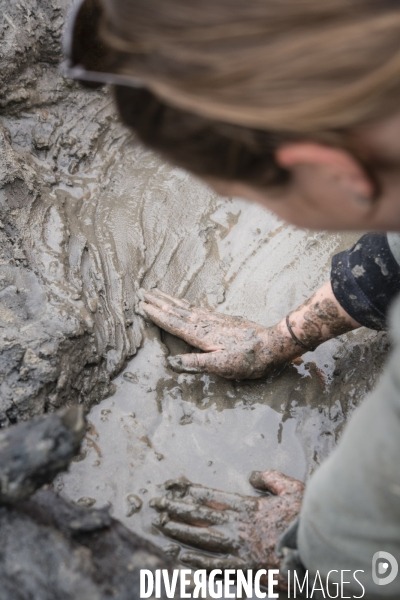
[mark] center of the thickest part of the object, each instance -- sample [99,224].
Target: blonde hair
[290,65]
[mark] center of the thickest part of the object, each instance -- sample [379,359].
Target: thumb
[209,362]
[275,482]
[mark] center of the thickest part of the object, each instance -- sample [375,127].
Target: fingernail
[175,362]
[255,474]
[158,503]
[172,550]
[255,477]
[178,485]
[163,520]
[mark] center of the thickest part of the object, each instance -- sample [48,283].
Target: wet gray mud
[160,425]
[52,549]
[88,217]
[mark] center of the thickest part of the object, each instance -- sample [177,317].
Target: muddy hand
[232,347]
[236,348]
[237,532]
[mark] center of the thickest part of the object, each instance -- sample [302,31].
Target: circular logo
[384,568]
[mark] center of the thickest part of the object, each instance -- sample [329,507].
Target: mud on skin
[237,532]
[234,347]
[321,316]
[88,216]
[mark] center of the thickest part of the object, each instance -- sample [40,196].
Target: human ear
[335,163]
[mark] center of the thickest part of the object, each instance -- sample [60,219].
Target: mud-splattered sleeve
[366,278]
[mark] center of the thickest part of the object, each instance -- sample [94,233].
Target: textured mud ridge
[87,217]
[160,425]
[51,351]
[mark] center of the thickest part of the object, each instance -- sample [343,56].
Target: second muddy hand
[236,348]
[237,532]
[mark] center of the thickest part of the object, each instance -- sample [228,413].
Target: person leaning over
[294,105]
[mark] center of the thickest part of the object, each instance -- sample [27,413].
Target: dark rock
[52,549]
[32,453]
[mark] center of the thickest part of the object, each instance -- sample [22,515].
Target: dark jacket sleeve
[366,279]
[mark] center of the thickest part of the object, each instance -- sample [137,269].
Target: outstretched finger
[165,305]
[275,482]
[216,362]
[188,512]
[203,538]
[177,325]
[172,299]
[178,486]
[200,316]
[219,500]
[201,561]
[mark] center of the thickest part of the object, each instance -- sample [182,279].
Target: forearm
[317,320]
[321,318]
[364,281]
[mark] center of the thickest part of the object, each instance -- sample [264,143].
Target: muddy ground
[87,217]
[160,425]
[52,549]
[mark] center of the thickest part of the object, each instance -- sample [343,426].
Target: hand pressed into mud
[233,347]
[240,531]
[236,348]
